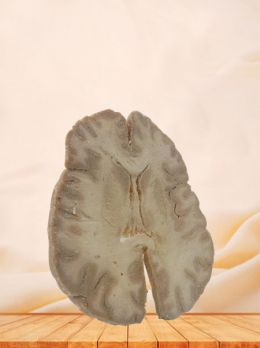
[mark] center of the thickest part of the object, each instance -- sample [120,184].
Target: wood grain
[166,335]
[248,323]
[11,318]
[12,337]
[61,335]
[88,336]
[141,336]
[28,335]
[195,337]
[113,336]
[17,323]
[81,331]
[42,330]
[228,334]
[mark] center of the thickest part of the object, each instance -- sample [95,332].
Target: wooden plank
[141,336]
[196,338]
[17,323]
[246,314]
[59,338]
[80,331]
[88,336]
[229,335]
[224,319]
[5,319]
[166,335]
[28,339]
[13,337]
[248,323]
[113,336]
[253,318]
[12,328]
[220,313]
[42,331]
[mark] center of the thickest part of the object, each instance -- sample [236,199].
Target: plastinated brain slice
[123,203]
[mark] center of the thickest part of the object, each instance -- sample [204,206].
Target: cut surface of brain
[123,203]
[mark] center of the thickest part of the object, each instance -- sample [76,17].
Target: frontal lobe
[121,203]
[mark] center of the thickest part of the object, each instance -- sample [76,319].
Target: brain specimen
[124,203]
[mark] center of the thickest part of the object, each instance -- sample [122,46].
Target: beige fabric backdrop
[192,66]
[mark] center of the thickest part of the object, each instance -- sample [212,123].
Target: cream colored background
[193,67]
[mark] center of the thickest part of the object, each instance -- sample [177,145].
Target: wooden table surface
[81,331]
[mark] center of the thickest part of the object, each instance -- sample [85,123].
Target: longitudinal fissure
[129,133]
[139,191]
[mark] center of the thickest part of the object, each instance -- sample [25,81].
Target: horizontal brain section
[123,203]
